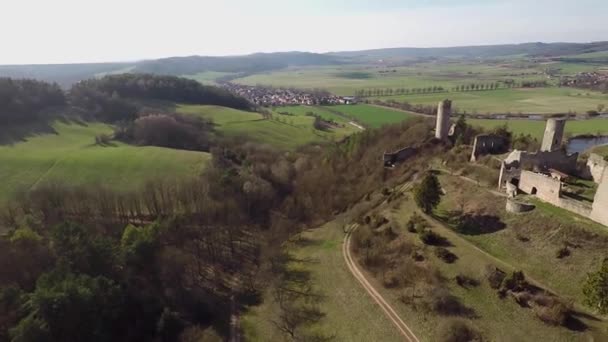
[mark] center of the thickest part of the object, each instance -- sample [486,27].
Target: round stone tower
[554,134]
[444,111]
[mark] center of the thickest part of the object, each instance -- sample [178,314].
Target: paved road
[390,313]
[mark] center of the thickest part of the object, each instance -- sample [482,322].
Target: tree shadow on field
[11,134]
[472,224]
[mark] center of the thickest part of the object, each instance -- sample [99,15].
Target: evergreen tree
[595,288]
[428,193]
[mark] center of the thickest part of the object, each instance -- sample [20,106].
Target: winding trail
[407,333]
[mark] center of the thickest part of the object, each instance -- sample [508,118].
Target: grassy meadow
[282,131]
[372,116]
[536,128]
[532,100]
[69,155]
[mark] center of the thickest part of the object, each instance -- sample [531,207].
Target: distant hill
[482,51]
[63,74]
[246,64]
[67,74]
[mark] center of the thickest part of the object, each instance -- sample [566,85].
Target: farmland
[372,116]
[346,80]
[534,101]
[283,131]
[69,155]
[536,128]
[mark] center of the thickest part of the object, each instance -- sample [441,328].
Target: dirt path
[388,310]
[357,125]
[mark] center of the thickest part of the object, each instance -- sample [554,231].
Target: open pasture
[70,156]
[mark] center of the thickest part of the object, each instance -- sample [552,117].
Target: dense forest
[25,100]
[109,99]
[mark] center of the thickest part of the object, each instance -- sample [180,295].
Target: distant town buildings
[270,96]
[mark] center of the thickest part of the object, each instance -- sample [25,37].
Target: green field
[372,116]
[283,131]
[71,156]
[536,128]
[345,80]
[534,101]
[208,77]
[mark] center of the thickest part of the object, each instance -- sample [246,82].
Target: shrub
[445,255]
[515,282]
[442,302]
[551,310]
[466,281]
[102,139]
[429,237]
[562,252]
[411,226]
[457,330]
[495,276]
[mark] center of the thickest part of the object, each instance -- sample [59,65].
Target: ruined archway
[534,191]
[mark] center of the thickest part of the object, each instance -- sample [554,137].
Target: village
[270,96]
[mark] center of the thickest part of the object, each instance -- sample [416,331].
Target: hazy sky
[58,31]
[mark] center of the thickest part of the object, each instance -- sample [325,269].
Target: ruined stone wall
[596,166]
[554,134]
[444,111]
[514,206]
[488,144]
[544,187]
[543,161]
[600,202]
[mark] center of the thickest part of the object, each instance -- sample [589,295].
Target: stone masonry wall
[596,166]
[488,144]
[544,187]
[600,203]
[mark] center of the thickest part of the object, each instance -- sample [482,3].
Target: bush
[429,237]
[551,310]
[442,302]
[495,276]
[515,282]
[466,281]
[457,330]
[562,252]
[102,139]
[445,255]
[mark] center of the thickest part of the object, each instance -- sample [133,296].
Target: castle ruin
[442,128]
[541,174]
[554,134]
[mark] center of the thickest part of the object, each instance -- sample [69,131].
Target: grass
[533,101]
[495,316]
[601,150]
[208,77]
[536,128]
[547,229]
[70,155]
[372,116]
[283,131]
[351,315]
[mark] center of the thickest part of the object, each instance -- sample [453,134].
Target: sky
[71,31]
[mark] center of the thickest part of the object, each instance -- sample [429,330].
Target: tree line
[111,98]
[25,100]
[441,89]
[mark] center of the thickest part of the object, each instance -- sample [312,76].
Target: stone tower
[444,111]
[554,133]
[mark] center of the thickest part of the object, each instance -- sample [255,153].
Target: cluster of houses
[589,79]
[269,96]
